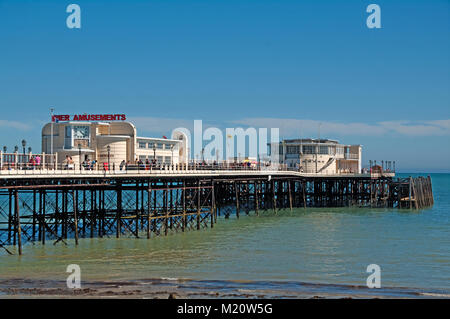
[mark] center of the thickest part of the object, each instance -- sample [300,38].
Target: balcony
[351,156]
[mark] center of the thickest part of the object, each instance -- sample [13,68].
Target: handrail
[30,169]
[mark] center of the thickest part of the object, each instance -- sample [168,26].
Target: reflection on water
[332,246]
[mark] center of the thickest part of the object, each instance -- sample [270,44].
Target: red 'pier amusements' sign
[89,117]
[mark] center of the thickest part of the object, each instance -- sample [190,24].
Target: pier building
[322,156]
[110,142]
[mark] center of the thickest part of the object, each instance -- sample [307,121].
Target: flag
[165,137]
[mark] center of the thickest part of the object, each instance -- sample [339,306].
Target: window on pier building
[142,145]
[68,143]
[292,150]
[160,159]
[309,149]
[323,150]
[160,146]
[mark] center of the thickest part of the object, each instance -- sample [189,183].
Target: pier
[50,205]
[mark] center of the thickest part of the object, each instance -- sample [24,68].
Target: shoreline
[206,289]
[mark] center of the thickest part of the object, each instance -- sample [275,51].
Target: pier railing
[135,169]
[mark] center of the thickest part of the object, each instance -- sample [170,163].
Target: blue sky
[286,64]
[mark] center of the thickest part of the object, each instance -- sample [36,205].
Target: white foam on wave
[169,279]
[432,294]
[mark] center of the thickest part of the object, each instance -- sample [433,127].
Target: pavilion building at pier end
[322,156]
[109,142]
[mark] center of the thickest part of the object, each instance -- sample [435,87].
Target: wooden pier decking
[57,205]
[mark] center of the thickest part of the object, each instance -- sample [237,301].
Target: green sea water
[320,246]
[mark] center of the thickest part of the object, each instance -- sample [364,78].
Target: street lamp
[51,133]
[29,149]
[108,148]
[24,143]
[154,151]
[171,149]
[79,154]
[16,151]
[5,149]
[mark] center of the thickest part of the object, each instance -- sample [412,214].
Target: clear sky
[287,64]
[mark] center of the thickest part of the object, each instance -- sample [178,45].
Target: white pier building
[322,156]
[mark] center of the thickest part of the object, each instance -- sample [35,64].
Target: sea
[317,251]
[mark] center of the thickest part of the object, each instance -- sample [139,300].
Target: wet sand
[190,289]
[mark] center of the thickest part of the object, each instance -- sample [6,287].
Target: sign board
[89,117]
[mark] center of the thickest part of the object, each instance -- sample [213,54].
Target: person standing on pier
[38,161]
[122,165]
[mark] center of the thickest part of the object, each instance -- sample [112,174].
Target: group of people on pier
[32,162]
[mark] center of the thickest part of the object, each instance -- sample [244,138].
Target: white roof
[158,139]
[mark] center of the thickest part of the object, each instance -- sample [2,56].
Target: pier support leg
[290,195]
[18,227]
[213,203]
[75,214]
[273,197]
[236,186]
[198,205]
[149,209]
[119,212]
[184,208]
[255,185]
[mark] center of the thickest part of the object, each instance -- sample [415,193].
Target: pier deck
[47,173]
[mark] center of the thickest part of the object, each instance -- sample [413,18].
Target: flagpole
[51,133]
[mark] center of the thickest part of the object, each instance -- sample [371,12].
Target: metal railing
[144,168]
[95,168]
[20,161]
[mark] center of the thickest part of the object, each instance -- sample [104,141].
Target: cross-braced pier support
[43,210]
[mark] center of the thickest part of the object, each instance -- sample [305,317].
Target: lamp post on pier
[108,148]
[171,149]
[24,144]
[16,156]
[79,154]
[4,156]
[51,134]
